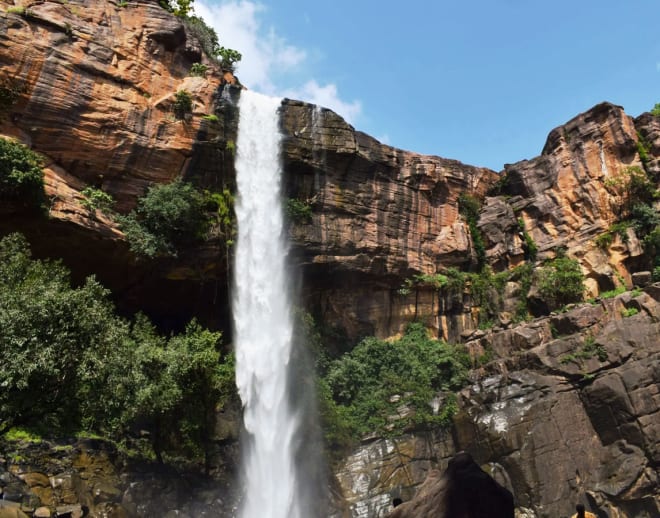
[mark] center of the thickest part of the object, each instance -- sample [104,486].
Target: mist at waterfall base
[281,456]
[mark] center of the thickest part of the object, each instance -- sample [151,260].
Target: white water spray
[262,315]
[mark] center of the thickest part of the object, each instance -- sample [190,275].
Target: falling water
[262,315]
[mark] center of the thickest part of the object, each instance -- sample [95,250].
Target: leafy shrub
[212,117]
[561,282]
[182,104]
[21,173]
[629,312]
[222,205]
[10,91]
[179,8]
[166,219]
[229,57]
[94,198]
[371,384]
[655,111]
[656,274]
[298,211]
[613,293]
[531,250]
[469,207]
[198,69]
[69,362]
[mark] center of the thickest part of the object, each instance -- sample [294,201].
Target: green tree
[69,362]
[561,282]
[21,174]
[166,219]
[181,8]
[369,384]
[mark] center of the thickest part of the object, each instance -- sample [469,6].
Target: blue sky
[481,81]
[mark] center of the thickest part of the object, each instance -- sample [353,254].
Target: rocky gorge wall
[568,407]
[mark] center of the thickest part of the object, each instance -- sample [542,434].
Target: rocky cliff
[567,406]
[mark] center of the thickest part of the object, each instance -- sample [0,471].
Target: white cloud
[267,54]
[326,96]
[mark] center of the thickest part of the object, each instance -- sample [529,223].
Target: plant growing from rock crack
[167,218]
[198,69]
[182,104]
[21,174]
[298,211]
[561,282]
[94,198]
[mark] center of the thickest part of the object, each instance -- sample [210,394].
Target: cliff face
[567,410]
[97,86]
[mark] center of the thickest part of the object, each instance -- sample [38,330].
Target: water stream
[262,316]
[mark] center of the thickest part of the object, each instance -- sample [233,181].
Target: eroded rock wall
[569,414]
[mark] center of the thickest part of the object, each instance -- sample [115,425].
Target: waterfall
[262,316]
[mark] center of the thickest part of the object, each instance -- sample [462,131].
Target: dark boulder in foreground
[464,490]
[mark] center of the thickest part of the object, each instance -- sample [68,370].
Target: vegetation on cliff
[168,217]
[21,174]
[70,363]
[386,387]
[205,34]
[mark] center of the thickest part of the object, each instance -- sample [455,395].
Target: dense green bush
[94,199]
[70,363]
[166,219]
[198,69]
[561,282]
[21,174]
[370,385]
[298,211]
[182,104]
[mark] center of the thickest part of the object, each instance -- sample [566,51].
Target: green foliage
[10,91]
[588,350]
[435,281]
[221,204]
[212,117]
[522,274]
[22,435]
[655,111]
[229,57]
[94,199]
[181,8]
[612,293]
[531,250]
[70,362]
[377,379]
[205,34]
[656,274]
[166,219]
[182,104]
[604,240]
[561,282]
[629,312]
[469,207]
[198,69]
[298,211]
[122,4]
[21,174]
[15,9]
[643,149]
